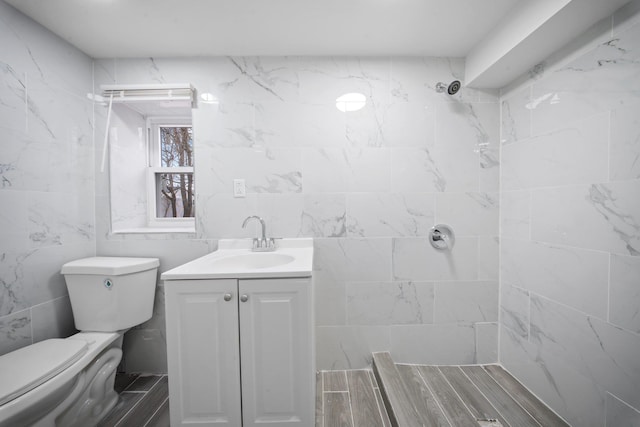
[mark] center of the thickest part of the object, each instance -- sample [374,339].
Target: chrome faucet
[261,244]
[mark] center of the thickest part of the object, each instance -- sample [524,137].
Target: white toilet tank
[111,293]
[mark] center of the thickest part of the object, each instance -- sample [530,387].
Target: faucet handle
[264,245]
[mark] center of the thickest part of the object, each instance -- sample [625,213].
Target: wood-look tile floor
[144,402]
[428,396]
[349,398]
[462,396]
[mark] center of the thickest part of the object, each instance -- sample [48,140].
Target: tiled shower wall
[570,227]
[367,185]
[46,178]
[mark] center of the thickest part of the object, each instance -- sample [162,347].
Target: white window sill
[155,230]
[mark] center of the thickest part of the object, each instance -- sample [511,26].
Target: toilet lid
[26,368]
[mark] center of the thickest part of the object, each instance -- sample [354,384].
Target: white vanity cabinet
[240,352]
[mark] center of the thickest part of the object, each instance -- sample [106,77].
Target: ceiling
[162,28]
[500,39]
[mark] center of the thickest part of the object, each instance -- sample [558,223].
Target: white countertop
[211,267]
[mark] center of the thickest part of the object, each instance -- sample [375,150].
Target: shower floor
[390,395]
[425,396]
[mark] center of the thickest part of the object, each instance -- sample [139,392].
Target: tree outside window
[176,189]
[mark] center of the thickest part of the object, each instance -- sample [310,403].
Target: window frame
[154,168]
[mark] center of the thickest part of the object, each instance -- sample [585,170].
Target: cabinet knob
[244,298]
[227,297]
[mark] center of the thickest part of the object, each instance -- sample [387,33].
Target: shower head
[452,88]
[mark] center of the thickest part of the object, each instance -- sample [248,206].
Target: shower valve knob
[441,237]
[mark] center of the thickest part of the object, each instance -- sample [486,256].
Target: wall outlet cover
[239,188]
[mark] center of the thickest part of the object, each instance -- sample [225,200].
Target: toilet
[69,382]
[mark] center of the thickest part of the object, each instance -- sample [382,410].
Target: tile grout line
[349,399]
[322,396]
[485,397]
[375,397]
[143,392]
[156,411]
[124,416]
[512,398]
[435,399]
[456,391]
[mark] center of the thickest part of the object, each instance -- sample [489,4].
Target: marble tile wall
[367,185]
[570,227]
[46,178]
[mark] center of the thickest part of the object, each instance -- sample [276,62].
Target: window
[171,185]
[150,143]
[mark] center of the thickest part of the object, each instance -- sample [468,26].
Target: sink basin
[235,260]
[252,260]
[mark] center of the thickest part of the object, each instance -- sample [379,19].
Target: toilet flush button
[108,283]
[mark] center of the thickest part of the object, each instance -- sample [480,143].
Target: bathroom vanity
[240,336]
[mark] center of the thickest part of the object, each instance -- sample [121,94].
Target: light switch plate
[239,188]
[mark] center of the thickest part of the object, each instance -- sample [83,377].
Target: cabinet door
[276,347]
[203,354]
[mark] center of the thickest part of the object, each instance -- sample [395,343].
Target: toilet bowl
[69,382]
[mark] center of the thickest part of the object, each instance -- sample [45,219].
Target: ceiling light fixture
[351,102]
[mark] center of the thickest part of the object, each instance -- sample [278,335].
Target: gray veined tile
[336,170]
[15,331]
[573,276]
[324,215]
[262,78]
[555,380]
[389,303]
[52,319]
[416,260]
[549,159]
[448,343]
[486,342]
[389,214]
[349,347]
[596,349]
[624,296]
[488,258]
[356,259]
[514,309]
[620,413]
[409,124]
[515,214]
[316,125]
[624,149]
[608,216]
[416,170]
[469,214]
[459,302]
[516,117]
[271,170]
